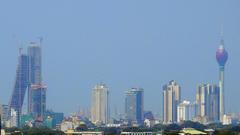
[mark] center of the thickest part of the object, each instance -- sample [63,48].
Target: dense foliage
[33,131]
[172,129]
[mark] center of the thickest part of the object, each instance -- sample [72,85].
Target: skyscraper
[134,105]
[20,86]
[171,99]
[208,101]
[221,56]
[100,107]
[38,100]
[35,70]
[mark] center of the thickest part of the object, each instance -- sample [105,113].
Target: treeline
[172,129]
[32,131]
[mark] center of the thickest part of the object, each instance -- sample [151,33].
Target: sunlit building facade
[171,99]
[100,105]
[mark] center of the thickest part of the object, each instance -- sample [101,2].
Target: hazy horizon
[124,44]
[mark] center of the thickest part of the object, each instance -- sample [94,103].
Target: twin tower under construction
[29,78]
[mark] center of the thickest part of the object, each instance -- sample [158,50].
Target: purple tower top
[221,55]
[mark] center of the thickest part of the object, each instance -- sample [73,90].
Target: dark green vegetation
[33,131]
[172,129]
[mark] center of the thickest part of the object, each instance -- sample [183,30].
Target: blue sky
[125,43]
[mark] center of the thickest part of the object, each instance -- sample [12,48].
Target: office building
[171,99]
[134,106]
[38,100]
[20,86]
[208,102]
[100,106]
[35,71]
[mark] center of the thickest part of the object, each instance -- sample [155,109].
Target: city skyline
[145,57]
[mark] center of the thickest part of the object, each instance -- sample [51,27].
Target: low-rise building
[2,132]
[191,131]
[137,133]
[72,132]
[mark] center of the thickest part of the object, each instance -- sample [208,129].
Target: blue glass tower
[134,107]
[35,71]
[20,86]
[38,101]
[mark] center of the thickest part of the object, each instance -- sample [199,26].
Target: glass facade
[134,107]
[20,86]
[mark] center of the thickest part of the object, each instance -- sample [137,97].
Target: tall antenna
[221,35]
[20,46]
[40,40]
[20,50]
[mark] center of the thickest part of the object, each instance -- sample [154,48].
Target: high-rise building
[171,99]
[28,74]
[207,99]
[221,56]
[100,106]
[35,71]
[134,105]
[183,111]
[38,100]
[193,112]
[20,86]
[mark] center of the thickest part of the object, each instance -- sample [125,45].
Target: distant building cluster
[28,82]
[208,106]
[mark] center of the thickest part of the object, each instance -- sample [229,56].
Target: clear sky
[123,43]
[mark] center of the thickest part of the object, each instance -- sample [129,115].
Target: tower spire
[20,50]
[221,36]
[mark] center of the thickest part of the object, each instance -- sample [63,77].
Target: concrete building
[171,99]
[207,99]
[100,105]
[137,133]
[3,132]
[134,106]
[13,118]
[227,120]
[71,132]
[183,111]
[4,112]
